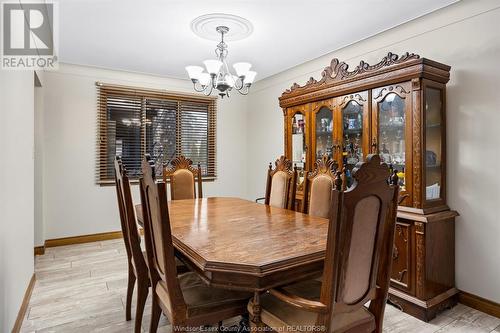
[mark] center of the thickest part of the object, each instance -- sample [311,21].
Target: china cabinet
[395,108]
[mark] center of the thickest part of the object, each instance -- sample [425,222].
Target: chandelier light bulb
[204,79]
[242,68]
[213,66]
[194,72]
[250,77]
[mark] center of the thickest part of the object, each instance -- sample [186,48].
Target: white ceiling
[154,36]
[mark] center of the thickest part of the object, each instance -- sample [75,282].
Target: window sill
[104,183]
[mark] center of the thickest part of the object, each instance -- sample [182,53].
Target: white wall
[465,36]
[39,234]
[73,203]
[16,191]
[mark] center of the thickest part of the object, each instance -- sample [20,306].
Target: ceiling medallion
[205,26]
[217,75]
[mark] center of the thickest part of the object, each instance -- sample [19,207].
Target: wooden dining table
[241,245]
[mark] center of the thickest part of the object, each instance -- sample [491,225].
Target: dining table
[238,244]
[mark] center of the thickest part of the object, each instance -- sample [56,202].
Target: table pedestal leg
[255,321]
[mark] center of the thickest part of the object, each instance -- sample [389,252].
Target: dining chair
[137,268]
[318,186]
[183,178]
[185,299]
[281,184]
[357,262]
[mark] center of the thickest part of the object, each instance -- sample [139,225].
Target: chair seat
[202,299]
[283,317]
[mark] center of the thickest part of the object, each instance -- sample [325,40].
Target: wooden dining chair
[137,268]
[183,178]
[185,299]
[281,184]
[318,186]
[357,262]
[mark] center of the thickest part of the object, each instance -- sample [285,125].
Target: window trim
[101,138]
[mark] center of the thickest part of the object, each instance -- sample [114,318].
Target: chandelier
[218,76]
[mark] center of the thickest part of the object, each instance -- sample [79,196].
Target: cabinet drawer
[401,273]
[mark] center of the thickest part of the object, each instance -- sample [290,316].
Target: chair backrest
[318,186]
[281,184]
[158,236]
[360,240]
[183,178]
[127,217]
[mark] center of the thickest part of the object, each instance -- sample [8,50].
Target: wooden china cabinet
[395,108]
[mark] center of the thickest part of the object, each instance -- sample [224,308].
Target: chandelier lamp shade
[217,75]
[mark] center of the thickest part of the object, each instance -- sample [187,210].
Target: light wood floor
[81,288]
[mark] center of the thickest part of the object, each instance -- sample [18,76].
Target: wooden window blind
[132,122]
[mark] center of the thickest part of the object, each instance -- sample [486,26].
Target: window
[133,122]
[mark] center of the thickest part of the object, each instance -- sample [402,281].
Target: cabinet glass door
[323,133]
[299,142]
[393,132]
[353,139]
[433,143]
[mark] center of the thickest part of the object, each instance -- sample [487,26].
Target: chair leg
[130,291]
[155,315]
[142,295]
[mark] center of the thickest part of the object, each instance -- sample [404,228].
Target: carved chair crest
[181,162]
[325,165]
[281,164]
[372,171]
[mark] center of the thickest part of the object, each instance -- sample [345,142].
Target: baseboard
[24,306]
[39,250]
[83,239]
[479,303]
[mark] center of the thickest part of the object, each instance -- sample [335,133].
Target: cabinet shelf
[353,131]
[437,125]
[391,127]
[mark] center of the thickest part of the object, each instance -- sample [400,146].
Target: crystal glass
[352,129]
[391,140]
[433,143]
[323,133]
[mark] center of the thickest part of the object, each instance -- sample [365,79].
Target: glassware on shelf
[323,134]
[401,176]
[391,115]
[352,118]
